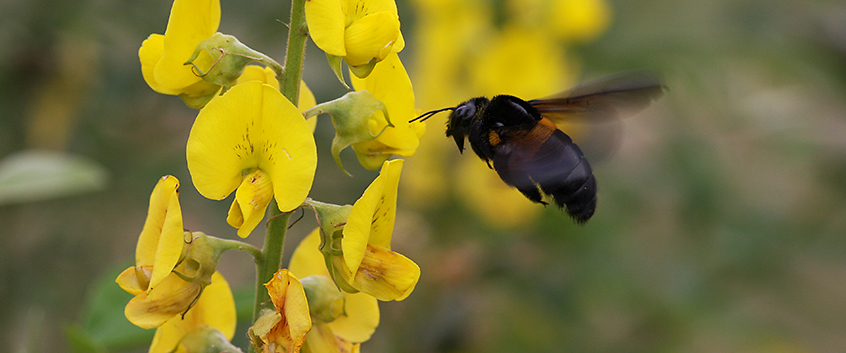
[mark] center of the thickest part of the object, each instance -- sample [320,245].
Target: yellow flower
[367,263]
[355,319]
[363,32]
[159,293]
[285,329]
[254,140]
[267,76]
[390,84]
[163,56]
[215,308]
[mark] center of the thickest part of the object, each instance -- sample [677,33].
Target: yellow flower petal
[326,22]
[361,320]
[371,219]
[356,9]
[371,37]
[386,275]
[170,298]
[251,127]
[150,53]
[390,84]
[161,240]
[216,308]
[190,22]
[250,203]
[258,73]
[128,281]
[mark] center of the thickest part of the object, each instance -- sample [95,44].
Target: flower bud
[352,116]
[325,301]
[230,57]
[205,339]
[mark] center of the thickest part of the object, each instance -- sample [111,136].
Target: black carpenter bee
[530,153]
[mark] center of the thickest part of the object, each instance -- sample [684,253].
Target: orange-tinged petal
[326,21]
[386,275]
[251,127]
[372,36]
[150,53]
[289,298]
[190,22]
[216,308]
[251,200]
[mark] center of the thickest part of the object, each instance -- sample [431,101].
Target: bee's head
[458,124]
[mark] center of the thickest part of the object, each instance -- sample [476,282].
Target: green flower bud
[325,301]
[351,117]
[230,57]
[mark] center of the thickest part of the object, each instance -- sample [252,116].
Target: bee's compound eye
[466,110]
[498,124]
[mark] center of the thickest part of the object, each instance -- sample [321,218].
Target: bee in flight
[530,153]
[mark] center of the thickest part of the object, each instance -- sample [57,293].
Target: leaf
[34,175]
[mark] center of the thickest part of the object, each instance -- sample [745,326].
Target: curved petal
[190,22]
[161,240]
[385,212]
[170,298]
[250,203]
[258,73]
[149,54]
[128,281]
[386,275]
[371,37]
[326,22]
[216,308]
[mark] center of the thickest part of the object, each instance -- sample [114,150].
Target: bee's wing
[618,95]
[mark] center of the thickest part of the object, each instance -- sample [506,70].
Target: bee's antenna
[429,114]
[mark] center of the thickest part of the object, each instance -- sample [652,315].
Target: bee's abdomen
[555,166]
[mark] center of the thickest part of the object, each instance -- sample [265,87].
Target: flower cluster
[249,139]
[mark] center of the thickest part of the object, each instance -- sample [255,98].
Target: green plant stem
[290,83]
[277,224]
[271,257]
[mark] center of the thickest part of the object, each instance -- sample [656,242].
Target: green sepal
[362,71]
[335,64]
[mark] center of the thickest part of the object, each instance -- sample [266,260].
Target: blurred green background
[721,225]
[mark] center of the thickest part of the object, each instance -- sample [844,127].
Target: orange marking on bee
[493,138]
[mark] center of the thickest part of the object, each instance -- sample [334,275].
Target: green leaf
[34,175]
[103,326]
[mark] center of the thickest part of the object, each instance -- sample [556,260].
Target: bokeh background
[721,224]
